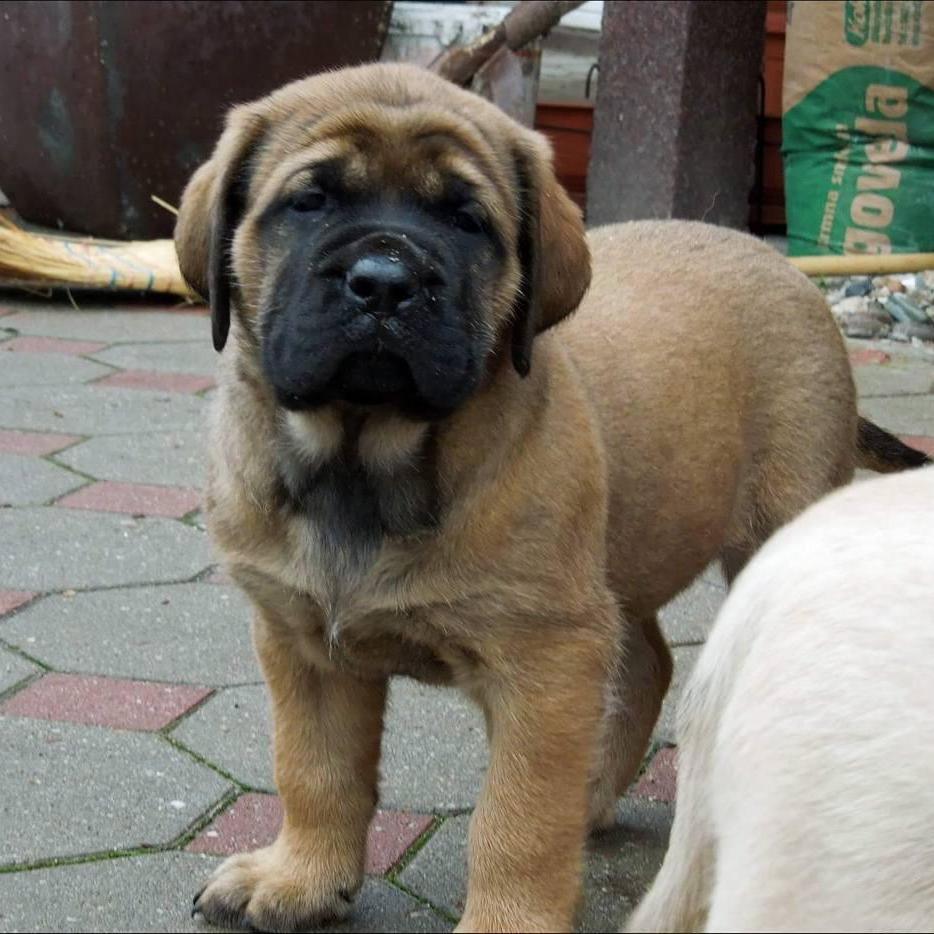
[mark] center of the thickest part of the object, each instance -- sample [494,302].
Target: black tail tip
[883,451]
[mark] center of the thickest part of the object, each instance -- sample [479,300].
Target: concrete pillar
[675,120]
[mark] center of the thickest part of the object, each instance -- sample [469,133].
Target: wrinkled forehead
[373,148]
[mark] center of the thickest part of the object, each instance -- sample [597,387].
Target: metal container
[104,104]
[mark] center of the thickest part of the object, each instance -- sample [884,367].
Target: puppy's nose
[382,281]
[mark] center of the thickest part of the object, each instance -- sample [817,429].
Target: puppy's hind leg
[634,700]
[802,462]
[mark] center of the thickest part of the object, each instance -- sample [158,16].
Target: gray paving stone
[29,481]
[434,747]
[713,574]
[140,893]
[684,658]
[91,789]
[899,351]
[169,357]
[13,669]
[153,893]
[438,873]
[41,369]
[99,410]
[688,618]
[174,458]
[380,906]
[899,377]
[620,864]
[50,548]
[233,730]
[196,633]
[910,415]
[109,325]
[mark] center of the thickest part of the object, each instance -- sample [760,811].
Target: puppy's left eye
[308,200]
[470,218]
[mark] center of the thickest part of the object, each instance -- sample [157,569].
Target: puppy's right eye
[307,201]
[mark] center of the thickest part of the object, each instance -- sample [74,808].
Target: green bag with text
[858,126]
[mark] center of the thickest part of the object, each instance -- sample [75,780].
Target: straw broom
[37,259]
[44,259]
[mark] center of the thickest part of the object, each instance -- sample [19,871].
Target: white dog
[806,784]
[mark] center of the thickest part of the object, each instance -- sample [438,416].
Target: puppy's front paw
[274,890]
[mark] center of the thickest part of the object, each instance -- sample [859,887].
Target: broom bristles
[62,260]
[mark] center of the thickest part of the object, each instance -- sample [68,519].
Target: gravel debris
[871,307]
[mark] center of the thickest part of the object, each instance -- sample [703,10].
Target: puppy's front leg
[544,706]
[327,740]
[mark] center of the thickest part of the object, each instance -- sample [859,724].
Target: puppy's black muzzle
[383,274]
[368,326]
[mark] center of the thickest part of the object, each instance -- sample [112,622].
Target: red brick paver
[659,781]
[29,442]
[254,820]
[11,599]
[391,834]
[161,382]
[867,356]
[110,702]
[920,442]
[28,344]
[135,499]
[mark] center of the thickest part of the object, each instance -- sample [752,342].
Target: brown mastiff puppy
[401,486]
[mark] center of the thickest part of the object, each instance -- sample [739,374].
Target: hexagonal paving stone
[908,415]
[687,619]
[13,669]
[174,458]
[169,357]
[93,789]
[98,410]
[233,730]
[140,893]
[684,658]
[110,325]
[196,633]
[28,481]
[434,747]
[153,894]
[438,873]
[623,862]
[50,548]
[899,377]
[42,369]
[620,865]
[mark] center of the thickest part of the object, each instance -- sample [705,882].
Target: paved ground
[132,716]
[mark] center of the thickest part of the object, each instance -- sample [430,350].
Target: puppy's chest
[357,525]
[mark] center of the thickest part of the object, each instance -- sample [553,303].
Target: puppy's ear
[553,253]
[212,205]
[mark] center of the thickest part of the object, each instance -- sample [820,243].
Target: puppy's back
[723,389]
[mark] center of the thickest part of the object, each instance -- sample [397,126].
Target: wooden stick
[527,21]
[863,264]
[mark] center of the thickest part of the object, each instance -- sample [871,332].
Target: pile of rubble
[898,307]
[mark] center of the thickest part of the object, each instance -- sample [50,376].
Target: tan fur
[699,398]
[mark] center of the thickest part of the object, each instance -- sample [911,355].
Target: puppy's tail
[882,452]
